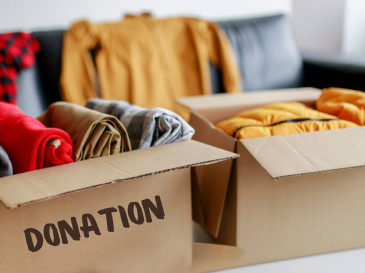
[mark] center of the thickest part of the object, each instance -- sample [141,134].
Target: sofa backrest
[38,86]
[265,49]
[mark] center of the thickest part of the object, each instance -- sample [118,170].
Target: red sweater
[29,144]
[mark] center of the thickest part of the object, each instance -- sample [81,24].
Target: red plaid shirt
[17,51]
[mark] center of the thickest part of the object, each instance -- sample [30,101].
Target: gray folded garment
[6,168]
[145,127]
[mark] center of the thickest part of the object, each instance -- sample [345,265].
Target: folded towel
[145,127]
[94,134]
[6,168]
[29,144]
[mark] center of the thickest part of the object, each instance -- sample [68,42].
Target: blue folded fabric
[145,127]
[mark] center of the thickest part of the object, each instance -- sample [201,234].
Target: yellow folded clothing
[93,133]
[280,119]
[343,103]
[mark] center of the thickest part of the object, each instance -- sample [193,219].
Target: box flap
[230,100]
[307,153]
[21,189]
[212,181]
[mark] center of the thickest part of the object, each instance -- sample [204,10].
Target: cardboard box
[129,212]
[288,196]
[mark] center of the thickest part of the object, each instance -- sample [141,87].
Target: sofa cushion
[266,51]
[49,62]
[30,94]
[38,86]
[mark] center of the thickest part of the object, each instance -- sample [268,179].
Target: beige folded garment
[94,134]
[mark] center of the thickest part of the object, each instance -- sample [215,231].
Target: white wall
[330,25]
[41,14]
[319,24]
[354,27]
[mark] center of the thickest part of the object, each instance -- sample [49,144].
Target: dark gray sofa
[266,51]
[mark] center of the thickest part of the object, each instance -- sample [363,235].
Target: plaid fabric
[145,127]
[17,51]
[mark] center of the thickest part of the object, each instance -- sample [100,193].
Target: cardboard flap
[230,100]
[20,189]
[307,153]
[212,181]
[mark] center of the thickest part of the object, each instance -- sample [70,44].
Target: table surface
[350,261]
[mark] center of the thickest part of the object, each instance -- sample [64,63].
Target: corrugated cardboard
[298,154]
[209,110]
[297,215]
[289,196]
[48,196]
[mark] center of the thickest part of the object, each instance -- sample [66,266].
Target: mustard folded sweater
[145,61]
[280,119]
[343,103]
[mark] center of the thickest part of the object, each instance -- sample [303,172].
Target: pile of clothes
[148,62]
[138,60]
[67,132]
[336,108]
[142,60]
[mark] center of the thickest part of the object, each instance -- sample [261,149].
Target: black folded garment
[6,168]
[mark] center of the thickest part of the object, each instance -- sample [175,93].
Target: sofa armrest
[323,70]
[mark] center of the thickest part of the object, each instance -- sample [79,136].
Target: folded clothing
[6,168]
[94,134]
[17,51]
[145,127]
[29,144]
[280,119]
[343,103]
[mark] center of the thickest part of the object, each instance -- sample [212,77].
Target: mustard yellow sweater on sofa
[145,61]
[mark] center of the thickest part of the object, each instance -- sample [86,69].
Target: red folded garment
[29,144]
